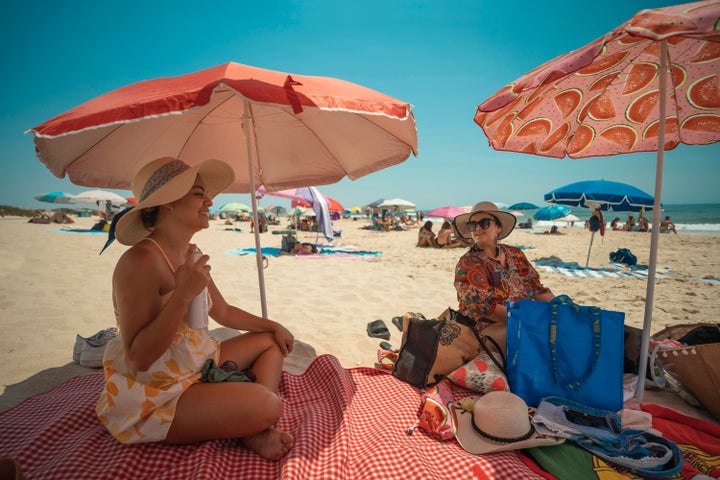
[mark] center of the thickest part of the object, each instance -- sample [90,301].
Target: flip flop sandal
[398,322]
[386,359]
[378,329]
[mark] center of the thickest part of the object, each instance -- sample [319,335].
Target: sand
[55,285]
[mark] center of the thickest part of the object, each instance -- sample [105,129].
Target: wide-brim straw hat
[166,180]
[507,220]
[499,421]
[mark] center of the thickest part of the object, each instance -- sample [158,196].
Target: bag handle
[594,317]
[483,339]
[470,323]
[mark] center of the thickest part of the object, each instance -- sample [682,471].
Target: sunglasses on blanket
[483,222]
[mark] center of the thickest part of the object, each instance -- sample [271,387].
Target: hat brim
[217,176]
[473,442]
[507,223]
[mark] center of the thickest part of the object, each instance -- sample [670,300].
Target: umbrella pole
[655,234]
[247,125]
[589,248]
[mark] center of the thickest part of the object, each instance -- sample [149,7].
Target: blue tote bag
[562,349]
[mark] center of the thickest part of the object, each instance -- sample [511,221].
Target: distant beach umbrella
[232,207]
[392,203]
[447,212]
[523,206]
[603,194]
[552,212]
[99,197]
[55,197]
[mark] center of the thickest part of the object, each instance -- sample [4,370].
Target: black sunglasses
[483,222]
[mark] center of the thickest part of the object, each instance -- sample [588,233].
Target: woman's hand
[284,339]
[192,276]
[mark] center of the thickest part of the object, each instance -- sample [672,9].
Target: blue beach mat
[573,269]
[77,230]
[337,251]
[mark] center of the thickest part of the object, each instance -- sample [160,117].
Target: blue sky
[443,57]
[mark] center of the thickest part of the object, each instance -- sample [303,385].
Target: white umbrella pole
[247,126]
[589,248]
[655,234]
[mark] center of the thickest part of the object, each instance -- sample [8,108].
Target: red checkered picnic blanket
[347,423]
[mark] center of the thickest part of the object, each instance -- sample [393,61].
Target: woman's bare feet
[271,444]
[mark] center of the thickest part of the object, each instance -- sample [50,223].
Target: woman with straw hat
[490,273]
[163,293]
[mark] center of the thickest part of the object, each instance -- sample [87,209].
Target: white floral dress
[140,406]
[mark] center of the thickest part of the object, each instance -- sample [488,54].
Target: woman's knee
[269,407]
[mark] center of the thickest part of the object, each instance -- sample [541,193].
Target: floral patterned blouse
[483,283]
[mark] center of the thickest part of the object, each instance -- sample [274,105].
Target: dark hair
[149,216]
[446,224]
[428,225]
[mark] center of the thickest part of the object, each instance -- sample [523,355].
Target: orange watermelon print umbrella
[648,85]
[605,98]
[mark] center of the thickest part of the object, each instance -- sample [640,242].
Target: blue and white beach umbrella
[552,212]
[603,194]
[55,197]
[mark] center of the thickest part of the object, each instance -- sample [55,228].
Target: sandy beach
[54,285]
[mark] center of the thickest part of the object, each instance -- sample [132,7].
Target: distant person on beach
[615,224]
[666,226]
[164,375]
[629,224]
[426,237]
[643,225]
[491,273]
[445,237]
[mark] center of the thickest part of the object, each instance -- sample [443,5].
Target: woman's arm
[235,318]
[147,326]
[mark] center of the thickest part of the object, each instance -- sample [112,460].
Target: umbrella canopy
[603,194]
[333,205]
[391,203]
[273,128]
[94,197]
[523,206]
[276,209]
[569,218]
[234,207]
[612,97]
[330,129]
[552,212]
[311,197]
[55,197]
[445,212]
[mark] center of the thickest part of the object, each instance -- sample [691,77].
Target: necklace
[497,253]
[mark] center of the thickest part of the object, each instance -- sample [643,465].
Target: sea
[699,219]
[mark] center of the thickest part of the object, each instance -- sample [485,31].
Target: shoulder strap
[162,252]
[469,322]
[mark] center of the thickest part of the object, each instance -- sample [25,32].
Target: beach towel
[76,230]
[573,269]
[347,423]
[332,251]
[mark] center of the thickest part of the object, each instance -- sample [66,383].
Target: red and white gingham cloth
[347,423]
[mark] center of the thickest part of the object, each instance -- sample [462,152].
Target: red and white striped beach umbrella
[648,85]
[275,129]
